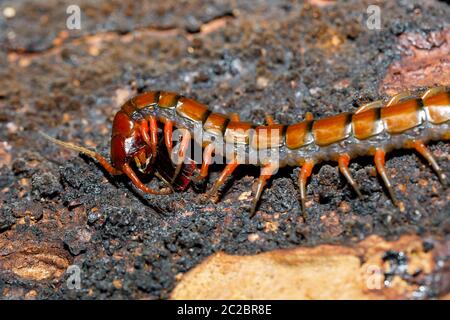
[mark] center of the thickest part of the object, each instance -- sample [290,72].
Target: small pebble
[9,12]
[262,82]
[244,195]
[252,237]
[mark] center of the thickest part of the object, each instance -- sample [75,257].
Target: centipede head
[128,146]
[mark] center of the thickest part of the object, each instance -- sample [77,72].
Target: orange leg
[106,165]
[199,180]
[398,98]
[422,149]
[370,105]
[184,145]
[379,164]
[309,116]
[227,171]
[433,91]
[95,155]
[138,183]
[150,135]
[266,172]
[168,129]
[235,117]
[269,119]
[344,161]
[207,159]
[143,128]
[153,136]
[304,174]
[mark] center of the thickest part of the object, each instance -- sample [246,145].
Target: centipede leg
[184,145]
[149,134]
[168,129]
[227,171]
[343,162]
[106,165]
[379,158]
[422,149]
[235,117]
[433,91]
[269,119]
[370,105]
[143,128]
[138,183]
[207,160]
[153,136]
[398,97]
[266,172]
[304,174]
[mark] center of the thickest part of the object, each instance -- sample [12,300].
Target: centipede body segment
[405,121]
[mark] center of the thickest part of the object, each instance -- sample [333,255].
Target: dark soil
[249,57]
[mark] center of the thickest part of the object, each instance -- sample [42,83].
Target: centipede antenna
[95,155]
[69,145]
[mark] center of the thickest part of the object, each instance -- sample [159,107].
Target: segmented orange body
[406,121]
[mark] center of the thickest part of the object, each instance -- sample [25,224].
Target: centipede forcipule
[405,121]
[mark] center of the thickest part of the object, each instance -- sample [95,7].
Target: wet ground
[285,57]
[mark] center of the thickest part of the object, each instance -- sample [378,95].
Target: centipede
[143,129]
